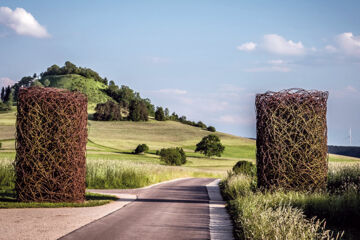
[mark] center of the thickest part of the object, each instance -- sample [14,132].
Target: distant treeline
[345,150]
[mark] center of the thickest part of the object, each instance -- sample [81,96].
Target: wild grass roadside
[296,215]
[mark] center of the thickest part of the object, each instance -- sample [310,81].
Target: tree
[108,111]
[141,148]
[210,146]
[200,124]
[2,93]
[138,111]
[166,112]
[211,129]
[159,114]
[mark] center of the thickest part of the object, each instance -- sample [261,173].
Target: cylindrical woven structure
[291,140]
[51,138]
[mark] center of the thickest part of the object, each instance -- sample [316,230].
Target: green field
[110,162]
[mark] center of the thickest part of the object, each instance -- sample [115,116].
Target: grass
[8,200]
[296,215]
[88,86]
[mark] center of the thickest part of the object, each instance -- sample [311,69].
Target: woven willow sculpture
[291,140]
[51,138]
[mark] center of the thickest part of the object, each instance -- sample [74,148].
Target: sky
[203,59]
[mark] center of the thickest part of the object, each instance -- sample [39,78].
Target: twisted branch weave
[51,138]
[291,139]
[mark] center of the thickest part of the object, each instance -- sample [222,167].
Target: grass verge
[296,215]
[8,200]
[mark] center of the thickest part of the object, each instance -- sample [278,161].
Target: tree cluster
[108,111]
[172,156]
[6,98]
[70,68]
[183,120]
[125,96]
[210,146]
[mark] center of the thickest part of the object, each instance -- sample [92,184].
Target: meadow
[110,163]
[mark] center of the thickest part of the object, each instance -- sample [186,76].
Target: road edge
[220,225]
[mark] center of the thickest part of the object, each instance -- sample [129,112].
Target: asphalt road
[175,210]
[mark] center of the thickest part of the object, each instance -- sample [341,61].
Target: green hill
[88,86]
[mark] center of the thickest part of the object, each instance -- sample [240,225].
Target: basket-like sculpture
[291,140]
[51,136]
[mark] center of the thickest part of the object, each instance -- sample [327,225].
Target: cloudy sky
[203,59]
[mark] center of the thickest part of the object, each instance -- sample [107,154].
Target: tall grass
[127,174]
[117,173]
[279,215]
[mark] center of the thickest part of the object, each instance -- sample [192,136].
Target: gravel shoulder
[52,223]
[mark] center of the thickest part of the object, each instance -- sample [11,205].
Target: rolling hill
[93,89]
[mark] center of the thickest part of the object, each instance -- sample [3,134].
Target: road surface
[175,210]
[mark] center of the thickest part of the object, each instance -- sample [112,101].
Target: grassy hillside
[88,86]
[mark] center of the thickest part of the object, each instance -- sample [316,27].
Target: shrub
[210,146]
[173,156]
[141,148]
[211,129]
[200,124]
[108,111]
[0,145]
[291,140]
[244,167]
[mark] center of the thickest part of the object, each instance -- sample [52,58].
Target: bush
[244,167]
[141,148]
[173,156]
[211,129]
[0,145]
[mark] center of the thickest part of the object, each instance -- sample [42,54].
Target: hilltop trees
[210,146]
[70,68]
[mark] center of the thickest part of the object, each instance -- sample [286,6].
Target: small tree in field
[210,146]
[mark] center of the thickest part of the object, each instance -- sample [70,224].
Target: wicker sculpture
[51,138]
[291,140]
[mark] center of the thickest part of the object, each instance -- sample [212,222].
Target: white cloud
[276,44]
[247,47]
[5,81]
[349,43]
[172,91]
[22,22]
[330,48]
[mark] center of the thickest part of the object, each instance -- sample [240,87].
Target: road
[174,210]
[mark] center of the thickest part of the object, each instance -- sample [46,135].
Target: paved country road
[174,210]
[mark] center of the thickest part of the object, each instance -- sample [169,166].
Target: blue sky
[202,59]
